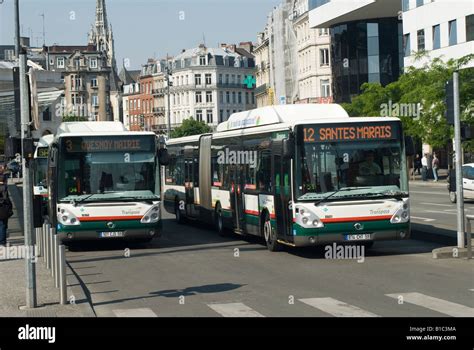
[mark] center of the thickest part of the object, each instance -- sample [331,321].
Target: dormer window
[60,62]
[93,63]
[202,60]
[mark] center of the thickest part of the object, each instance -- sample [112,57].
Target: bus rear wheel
[219,221]
[270,235]
[177,212]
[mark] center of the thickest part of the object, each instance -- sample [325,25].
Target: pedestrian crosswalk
[329,306]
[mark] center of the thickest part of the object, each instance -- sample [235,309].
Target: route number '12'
[308,135]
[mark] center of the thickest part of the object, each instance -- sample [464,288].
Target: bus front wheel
[270,235]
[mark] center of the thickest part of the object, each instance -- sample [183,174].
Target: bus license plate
[359,237]
[116,234]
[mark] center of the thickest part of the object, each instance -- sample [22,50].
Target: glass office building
[365,51]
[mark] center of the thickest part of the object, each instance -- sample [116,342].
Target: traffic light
[467,132]
[449,102]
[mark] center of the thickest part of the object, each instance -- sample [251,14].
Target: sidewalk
[13,280]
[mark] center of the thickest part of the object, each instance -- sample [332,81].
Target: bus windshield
[350,168]
[97,171]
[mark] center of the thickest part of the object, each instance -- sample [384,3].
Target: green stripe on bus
[348,227]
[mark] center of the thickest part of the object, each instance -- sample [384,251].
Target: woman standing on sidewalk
[435,166]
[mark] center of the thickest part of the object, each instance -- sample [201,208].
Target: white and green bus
[297,175]
[104,182]
[40,167]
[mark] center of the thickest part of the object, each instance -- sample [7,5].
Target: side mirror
[409,146]
[163,157]
[288,147]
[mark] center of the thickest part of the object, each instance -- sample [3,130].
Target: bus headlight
[152,216]
[402,215]
[66,218]
[308,219]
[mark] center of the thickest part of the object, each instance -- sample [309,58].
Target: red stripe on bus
[256,213]
[360,218]
[110,218]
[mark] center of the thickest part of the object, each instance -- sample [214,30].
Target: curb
[450,253]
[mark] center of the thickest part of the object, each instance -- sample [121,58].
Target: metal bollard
[48,248]
[469,218]
[62,275]
[51,251]
[56,262]
[53,254]
[37,242]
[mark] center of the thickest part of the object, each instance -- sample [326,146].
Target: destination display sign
[42,152]
[128,144]
[350,132]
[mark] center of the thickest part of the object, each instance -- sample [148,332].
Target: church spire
[101,22]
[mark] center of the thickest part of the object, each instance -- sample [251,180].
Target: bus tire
[219,221]
[452,197]
[177,212]
[269,234]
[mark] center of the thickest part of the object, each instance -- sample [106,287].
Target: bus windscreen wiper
[76,202]
[344,189]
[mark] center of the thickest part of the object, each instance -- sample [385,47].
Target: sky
[142,28]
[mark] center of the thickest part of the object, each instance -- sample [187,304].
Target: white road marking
[440,205]
[444,194]
[134,313]
[439,212]
[422,219]
[234,310]
[435,304]
[337,308]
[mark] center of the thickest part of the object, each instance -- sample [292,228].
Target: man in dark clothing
[5,208]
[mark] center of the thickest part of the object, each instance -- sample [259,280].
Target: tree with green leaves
[191,127]
[74,118]
[424,86]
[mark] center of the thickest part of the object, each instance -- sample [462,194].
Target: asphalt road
[191,271]
[431,207]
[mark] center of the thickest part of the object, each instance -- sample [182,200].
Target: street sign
[283,100]
[449,114]
[250,81]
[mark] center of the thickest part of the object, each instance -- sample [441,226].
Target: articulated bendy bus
[104,182]
[297,175]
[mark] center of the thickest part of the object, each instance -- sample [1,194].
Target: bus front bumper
[142,233]
[312,237]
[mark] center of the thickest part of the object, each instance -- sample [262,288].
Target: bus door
[236,196]
[189,182]
[281,173]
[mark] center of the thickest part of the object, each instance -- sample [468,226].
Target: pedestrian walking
[424,167]
[6,211]
[417,165]
[435,166]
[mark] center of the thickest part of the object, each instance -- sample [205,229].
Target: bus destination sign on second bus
[43,152]
[94,145]
[333,133]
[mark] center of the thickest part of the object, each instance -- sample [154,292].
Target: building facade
[92,86]
[209,84]
[263,91]
[313,52]
[442,29]
[366,42]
